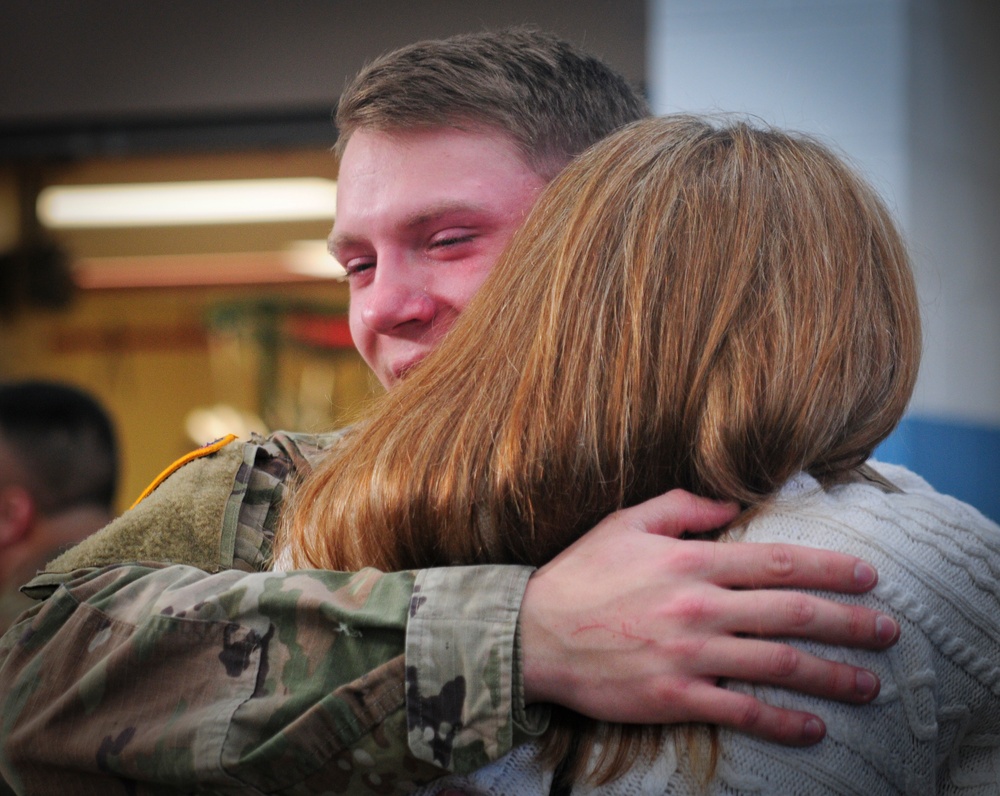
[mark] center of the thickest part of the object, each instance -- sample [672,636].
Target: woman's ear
[17,514]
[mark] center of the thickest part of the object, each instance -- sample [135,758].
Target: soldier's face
[422,216]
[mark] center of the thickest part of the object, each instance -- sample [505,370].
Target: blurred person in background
[58,474]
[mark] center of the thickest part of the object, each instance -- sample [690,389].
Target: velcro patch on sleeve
[206,450]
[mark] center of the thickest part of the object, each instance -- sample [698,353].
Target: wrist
[540,664]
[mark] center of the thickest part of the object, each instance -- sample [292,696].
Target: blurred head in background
[58,475]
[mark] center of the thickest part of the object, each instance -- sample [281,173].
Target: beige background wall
[153,355]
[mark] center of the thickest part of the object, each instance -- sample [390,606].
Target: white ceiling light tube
[179,203]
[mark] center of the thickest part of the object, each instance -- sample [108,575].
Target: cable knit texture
[935,726]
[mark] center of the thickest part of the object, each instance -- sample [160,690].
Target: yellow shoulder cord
[207,450]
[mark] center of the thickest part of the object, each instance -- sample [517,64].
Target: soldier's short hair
[551,98]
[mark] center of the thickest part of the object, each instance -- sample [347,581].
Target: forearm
[175,677]
[465,694]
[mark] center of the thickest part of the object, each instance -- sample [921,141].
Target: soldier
[58,474]
[195,665]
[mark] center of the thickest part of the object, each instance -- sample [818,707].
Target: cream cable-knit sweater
[935,726]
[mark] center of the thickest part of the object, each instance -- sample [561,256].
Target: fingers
[744,713]
[770,663]
[678,512]
[792,614]
[746,565]
[762,566]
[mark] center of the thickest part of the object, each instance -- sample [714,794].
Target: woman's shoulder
[939,576]
[938,558]
[898,505]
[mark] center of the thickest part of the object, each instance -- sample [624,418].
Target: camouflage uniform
[12,602]
[196,669]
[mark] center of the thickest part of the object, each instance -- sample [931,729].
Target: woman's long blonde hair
[712,307]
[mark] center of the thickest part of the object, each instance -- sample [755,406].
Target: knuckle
[782,562]
[689,558]
[799,609]
[842,679]
[858,622]
[748,714]
[685,651]
[691,610]
[786,726]
[685,504]
[785,661]
[673,691]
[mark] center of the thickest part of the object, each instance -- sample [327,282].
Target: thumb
[677,512]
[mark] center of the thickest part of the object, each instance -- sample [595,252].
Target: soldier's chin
[400,372]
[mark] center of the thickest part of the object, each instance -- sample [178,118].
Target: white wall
[909,89]
[954,134]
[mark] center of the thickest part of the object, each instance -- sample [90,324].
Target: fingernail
[865,574]
[812,731]
[886,628]
[865,683]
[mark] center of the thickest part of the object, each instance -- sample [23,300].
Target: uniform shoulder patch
[206,450]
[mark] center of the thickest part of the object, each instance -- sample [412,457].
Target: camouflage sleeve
[132,678]
[465,696]
[169,674]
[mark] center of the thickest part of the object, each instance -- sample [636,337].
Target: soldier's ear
[17,514]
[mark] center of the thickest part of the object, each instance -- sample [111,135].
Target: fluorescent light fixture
[177,203]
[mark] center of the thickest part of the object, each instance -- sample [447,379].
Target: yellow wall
[150,357]
[153,355]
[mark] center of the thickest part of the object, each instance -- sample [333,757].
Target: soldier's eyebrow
[471,211]
[437,212]
[340,241]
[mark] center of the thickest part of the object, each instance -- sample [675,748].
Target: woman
[726,310]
